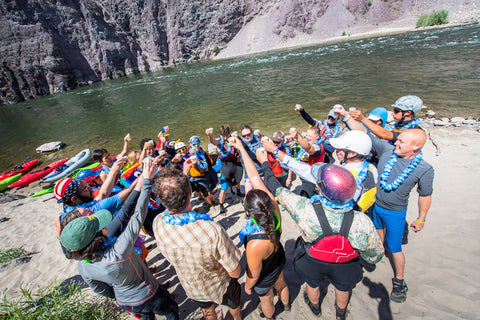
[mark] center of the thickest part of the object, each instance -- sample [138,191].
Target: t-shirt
[397,199]
[112,204]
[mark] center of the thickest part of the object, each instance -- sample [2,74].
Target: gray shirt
[422,176]
[120,273]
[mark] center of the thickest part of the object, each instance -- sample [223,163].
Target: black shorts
[231,298]
[204,184]
[344,276]
[232,172]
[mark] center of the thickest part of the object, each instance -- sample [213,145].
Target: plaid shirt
[202,254]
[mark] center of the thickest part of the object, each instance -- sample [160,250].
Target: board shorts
[394,224]
[204,184]
[232,173]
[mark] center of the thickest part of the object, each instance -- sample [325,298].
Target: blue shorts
[394,223]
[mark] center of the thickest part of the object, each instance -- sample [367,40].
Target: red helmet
[336,183]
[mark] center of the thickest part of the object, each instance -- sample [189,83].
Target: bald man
[401,168]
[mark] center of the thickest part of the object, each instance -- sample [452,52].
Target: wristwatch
[276,151]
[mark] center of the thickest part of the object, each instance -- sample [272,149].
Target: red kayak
[27,166]
[38,174]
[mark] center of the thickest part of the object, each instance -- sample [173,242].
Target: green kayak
[8,181]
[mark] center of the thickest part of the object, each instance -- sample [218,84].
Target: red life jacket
[332,247]
[274,163]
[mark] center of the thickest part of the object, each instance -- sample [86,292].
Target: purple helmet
[336,183]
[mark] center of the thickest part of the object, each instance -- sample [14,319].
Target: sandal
[316,310]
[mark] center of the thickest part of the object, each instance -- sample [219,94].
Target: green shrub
[216,50]
[344,33]
[57,301]
[433,19]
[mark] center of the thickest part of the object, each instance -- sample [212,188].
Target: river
[441,66]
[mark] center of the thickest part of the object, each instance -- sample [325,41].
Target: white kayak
[68,167]
[50,146]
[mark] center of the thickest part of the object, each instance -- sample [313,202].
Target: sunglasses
[86,189]
[396,110]
[247,135]
[181,150]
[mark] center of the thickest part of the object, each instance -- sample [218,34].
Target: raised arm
[126,145]
[377,130]
[303,143]
[214,141]
[107,186]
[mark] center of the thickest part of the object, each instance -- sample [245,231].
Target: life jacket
[196,171]
[274,163]
[332,247]
[369,190]
[316,159]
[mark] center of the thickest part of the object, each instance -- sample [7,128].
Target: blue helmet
[409,103]
[195,141]
[87,175]
[379,114]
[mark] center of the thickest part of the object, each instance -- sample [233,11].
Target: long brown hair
[259,205]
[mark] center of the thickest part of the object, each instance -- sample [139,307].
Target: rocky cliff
[49,46]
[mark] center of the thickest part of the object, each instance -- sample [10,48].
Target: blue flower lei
[412,123]
[336,131]
[405,173]
[224,153]
[363,173]
[185,218]
[333,205]
[249,228]
[201,160]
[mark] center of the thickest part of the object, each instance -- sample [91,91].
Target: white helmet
[179,145]
[354,140]
[409,103]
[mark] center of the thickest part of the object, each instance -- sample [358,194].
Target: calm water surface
[441,66]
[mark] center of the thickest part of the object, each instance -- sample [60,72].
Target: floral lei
[328,132]
[405,173]
[185,218]
[363,173]
[333,205]
[224,153]
[412,123]
[249,228]
[201,160]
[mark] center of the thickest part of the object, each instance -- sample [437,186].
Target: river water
[441,66]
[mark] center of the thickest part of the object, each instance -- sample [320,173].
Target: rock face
[49,46]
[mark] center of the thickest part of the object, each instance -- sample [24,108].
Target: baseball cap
[278,137]
[332,114]
[65,188]
[81,231]
[379,114]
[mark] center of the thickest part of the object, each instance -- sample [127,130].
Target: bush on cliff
[433,19]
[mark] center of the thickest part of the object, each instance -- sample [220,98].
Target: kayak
[68,167]
[73,174]
[38,174]
[5,182]
[50,146]
[19,169]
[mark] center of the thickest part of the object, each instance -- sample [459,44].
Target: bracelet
[276,151]
[420,221]
[363,121]
[347,118]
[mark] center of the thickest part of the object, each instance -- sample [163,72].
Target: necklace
[363,173]
[224,152]
[185,218]
[405,173]
[412,123]
[328,131]
[201,160]
[330,204]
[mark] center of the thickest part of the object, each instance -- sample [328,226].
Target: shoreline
[434,281]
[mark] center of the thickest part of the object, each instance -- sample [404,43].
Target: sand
[442,260]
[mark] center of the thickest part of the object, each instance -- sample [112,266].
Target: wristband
[420,221]
[276,151]
[347,118]
[363,121]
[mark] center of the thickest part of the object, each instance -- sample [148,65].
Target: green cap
[81,231]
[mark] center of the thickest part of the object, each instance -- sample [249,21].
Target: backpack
[332,247]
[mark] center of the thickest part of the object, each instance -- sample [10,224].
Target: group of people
[346,213]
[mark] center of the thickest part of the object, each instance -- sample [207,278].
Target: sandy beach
[442,259]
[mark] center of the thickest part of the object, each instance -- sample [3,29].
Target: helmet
[195,141]
[354,140]
[278,137]
[87,175]
[61,188]
[179,145]
[409,103]
[379,114]
[336,183]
